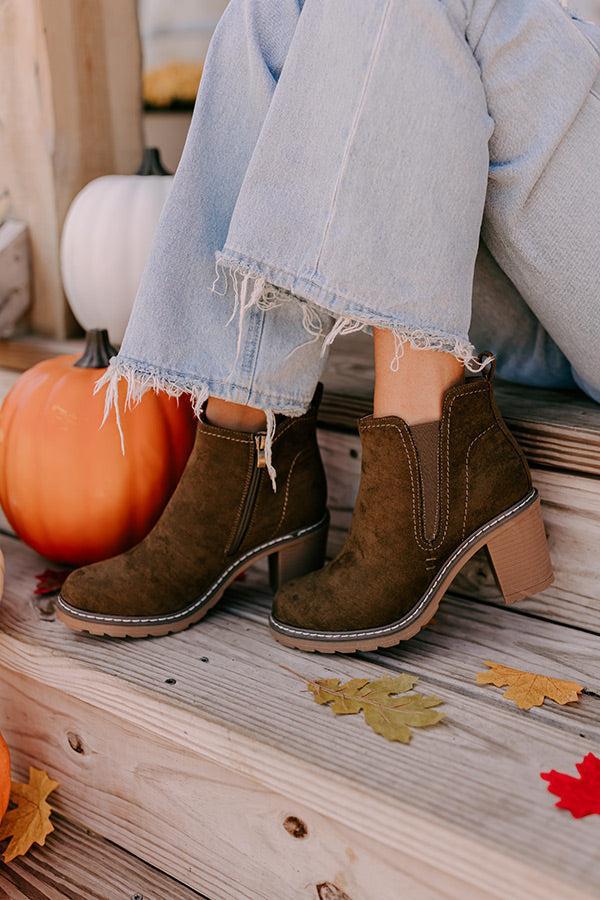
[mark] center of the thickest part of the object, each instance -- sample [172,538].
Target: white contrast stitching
[287,486]
[473,442]
[225,437]
[435,545]
[136,620]
[402,623]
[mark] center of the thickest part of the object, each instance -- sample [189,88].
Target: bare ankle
[235,416]
[415,391]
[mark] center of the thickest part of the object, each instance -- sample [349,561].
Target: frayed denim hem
[265,286]
[141,378]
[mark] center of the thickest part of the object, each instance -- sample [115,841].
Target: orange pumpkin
[4,777]
[65,486]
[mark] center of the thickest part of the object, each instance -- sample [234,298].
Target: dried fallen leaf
[29,822]
[50,581]
[581,796]
[529,689]
[384,711]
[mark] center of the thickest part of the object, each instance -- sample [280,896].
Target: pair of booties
[412,530]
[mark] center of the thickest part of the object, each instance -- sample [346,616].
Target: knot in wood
[295,826]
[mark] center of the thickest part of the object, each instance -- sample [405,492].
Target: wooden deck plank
[558,429]
[21,353]
[464,798]
[203,820]
[76,863]
[571,508]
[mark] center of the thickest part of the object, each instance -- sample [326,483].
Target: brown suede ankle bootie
[223,516]
[404,550]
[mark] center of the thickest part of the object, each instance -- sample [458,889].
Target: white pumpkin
[106,238]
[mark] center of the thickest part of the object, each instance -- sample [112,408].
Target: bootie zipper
[259,464]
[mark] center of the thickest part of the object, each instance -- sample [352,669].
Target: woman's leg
[414,388]
[541,73]
[363,195]
[446,478]
[186,334]
[505,325]
[251,358]
[253,174]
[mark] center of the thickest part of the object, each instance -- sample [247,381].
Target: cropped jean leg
[439,105]
[185,334]
[339,163]
[321,184]
[540,69]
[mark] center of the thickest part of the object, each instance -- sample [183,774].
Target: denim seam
[259,329]
[334,295]
[565,133]
[352,134]
[482,32]
[251,347]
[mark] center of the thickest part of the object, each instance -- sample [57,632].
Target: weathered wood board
[20,353]
[571,507]
[70,87]
[210,728]
[77,864]
[14,275]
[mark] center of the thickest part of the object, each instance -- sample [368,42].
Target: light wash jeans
[343,160]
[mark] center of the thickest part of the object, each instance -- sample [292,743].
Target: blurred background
[175,37]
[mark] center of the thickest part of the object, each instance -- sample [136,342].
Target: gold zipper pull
[260,440]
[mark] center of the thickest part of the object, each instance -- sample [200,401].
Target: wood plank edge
[400,827]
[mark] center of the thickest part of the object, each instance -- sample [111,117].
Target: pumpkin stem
[152,163]
[98,350]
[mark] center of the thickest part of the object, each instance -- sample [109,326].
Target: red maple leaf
[581,796]
[50,581]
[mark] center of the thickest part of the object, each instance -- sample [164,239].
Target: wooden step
[557,429]
[76,863]
[203,754]
[21,353]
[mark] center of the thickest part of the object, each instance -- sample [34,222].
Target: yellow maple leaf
[388,714]
[29,822]
[528,689]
